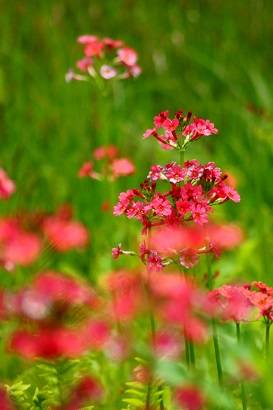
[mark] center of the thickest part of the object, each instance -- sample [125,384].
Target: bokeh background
[208,56]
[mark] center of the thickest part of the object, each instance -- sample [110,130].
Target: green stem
[187,352]
[192,354]
[210,276]
[217,353]
[243,392]
[148,397]
[182,156]
[267,338]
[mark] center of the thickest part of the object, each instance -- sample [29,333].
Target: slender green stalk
[267,338]
[210,275]
[214,329]
[243,392]
[148,397]
[187,351]
[217,353]
[192,354]
[181,156]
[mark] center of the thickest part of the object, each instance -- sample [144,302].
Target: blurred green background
[211,57]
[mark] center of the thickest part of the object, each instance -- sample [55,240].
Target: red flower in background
[49,343]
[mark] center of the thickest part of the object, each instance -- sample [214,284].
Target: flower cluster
[21,237]
[179,131]
[194,189]
[44,311]
[106,58]
[112,166]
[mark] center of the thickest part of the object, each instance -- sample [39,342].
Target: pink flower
[189,397]
[107,72]
[170,125]
[7,186]
[134,71]
[116,252]
[200,213]
[160,206]
[54,287]
[23,248]
[93,47]
[188,258]
[174,173]
[155,172]
[109,42]
[166,344]
[86,170]
[232,303]
[125,199]
[199,128]
[86,39]
[127,56]
[148,133]
[125,288]
[84,63]
[160,119]
[154,262]
[65,234]
[122,167]
[108,151]
[222,192]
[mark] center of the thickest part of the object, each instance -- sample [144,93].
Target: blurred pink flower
[7,186]
[122,167]
[65,234]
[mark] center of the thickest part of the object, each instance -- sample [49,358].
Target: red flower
[86,170]
[48,343]
[87,389]
[189,397]
[5,402]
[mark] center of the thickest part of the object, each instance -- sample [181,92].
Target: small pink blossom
[84,63]
[122,167]
[154,262]
[107,72]
[86,170]
[189,397]
[65,234]
[199,128]
[127,56]
[7,186]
